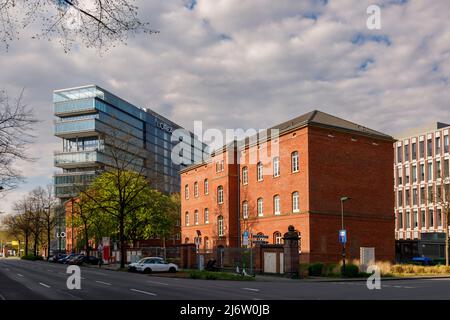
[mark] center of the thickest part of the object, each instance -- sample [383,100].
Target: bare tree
[20,225]
[100,24]
[16,123]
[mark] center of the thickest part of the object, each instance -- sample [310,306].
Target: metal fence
[241,260]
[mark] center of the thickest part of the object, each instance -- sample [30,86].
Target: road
[26,280]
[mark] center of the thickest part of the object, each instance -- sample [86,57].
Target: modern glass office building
[87,116]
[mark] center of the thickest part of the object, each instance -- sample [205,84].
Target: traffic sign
[245,238]
[343,236]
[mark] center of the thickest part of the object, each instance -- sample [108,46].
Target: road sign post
[343,241]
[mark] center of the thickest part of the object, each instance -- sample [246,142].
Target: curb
[382,279]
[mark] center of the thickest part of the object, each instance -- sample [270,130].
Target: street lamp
[343,238]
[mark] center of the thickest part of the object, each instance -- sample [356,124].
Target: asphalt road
[25,280]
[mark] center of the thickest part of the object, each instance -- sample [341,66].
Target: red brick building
[317,159]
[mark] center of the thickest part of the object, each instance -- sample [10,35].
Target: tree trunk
[123,249]
[48,239]
[26,244]
[86,234]
[164,248]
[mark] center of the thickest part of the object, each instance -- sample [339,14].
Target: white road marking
[2,298]
[156,282]
[105,283]
[144,292]
[20,275]
[44,285]
[251,289]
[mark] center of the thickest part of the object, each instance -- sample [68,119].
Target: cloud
[244,64]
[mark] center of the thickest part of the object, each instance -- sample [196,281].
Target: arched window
[196,217]
[259,171]
[294,161]
[220,228]
[206,215]
[276,166]
[220,195]
[206,243]
[186,191]
[245,176]
[277,237]
[245,209]
[196,189]
[295,202]
[186,218]
[276,205]
[186,240]
[206,186]
[260,207]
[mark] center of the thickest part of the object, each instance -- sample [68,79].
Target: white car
[132,266]
[155,264]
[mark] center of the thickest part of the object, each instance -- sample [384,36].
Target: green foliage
[31,257]
[315,269]
[330,270]
[351,271]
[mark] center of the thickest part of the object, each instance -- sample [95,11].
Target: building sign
[163,126]
[260,239]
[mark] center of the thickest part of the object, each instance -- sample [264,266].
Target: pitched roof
[327,120]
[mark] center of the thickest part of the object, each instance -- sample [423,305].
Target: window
[407,198]
[399,154]
[186,218]
[438,146]
[422,218]
[294,162]
[245,176]
[196,189]
[196,217]
[220,195]
[414,174]
[430,171]
[277,237]
[406,152]
[422,149]
[206,243]
[276,167]
[446,172]
[276,205]
[414,151]
[219,166]
[416,219]
[400,176]
[186,240]
[422,195]
[430,218]
[206,213]
[295,202]
[260,171]
[186,191]
[408,220]
[429,147]
[400,198]
[430,194]
[220,228]
[439,192]
[422,172]
[446,143]
[260,207]
[206,186]
[400,220]
[414,197]
[407,175]
[245,209]
[439,218]
[438,169]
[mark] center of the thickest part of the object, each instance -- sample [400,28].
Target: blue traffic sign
[343,236]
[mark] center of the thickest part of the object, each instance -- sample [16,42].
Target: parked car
[79,260]
[66,259]
[59,257]
[156,264]
[132,266]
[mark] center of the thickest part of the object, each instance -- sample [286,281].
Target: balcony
[78,159]
[71,107]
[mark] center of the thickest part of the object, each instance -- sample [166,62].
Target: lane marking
[20,275]
[251,289]
[2,298]
[105,283]
[144,292]
[44,285]
[156,282]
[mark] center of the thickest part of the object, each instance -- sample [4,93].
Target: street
[26,280]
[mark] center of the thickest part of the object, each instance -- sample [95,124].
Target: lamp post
[343,241]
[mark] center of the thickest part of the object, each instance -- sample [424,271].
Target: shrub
[330,269]
[210,276]
[315,269]
[195,275]
[31,257]
[351,271]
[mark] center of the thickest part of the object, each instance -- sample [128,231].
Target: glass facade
[86,115]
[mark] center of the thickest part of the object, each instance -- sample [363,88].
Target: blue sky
[251,64]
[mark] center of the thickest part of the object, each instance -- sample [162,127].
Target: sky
[249,64]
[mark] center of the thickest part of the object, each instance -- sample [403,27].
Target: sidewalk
[270,278]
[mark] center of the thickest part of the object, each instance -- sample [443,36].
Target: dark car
[79,260]
[66,259]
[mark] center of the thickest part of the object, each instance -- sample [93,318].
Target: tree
[16,122]
[100,24]
[20,225]
[442,197]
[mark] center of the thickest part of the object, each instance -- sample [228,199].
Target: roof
[314,118]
